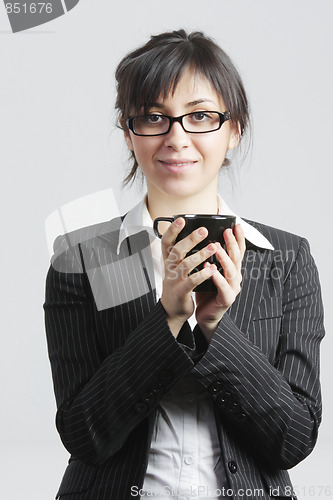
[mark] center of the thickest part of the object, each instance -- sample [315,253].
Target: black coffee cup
[215,224]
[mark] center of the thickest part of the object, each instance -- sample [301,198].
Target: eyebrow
[199,101]
[188,105]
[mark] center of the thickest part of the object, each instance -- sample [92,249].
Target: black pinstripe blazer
[113,358]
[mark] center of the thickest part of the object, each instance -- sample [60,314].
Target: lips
[179,161]
[177,165]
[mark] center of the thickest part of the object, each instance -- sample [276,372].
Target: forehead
[193,81]
[191,88]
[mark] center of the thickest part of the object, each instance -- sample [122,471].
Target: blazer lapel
[256,284]
[124,280]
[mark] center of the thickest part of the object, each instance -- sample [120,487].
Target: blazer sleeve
[101,399]
[276,409]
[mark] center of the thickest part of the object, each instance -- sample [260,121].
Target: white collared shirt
[185,448]
[139,216]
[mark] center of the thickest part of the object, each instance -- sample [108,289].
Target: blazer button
[156,388]
[232,466]
[223,398]
[240,418]
[148,398]
[140,407]
[215,387]
[233,409]
[165,377]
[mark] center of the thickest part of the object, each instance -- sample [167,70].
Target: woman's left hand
[211,306]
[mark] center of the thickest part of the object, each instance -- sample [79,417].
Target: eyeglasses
[199,122]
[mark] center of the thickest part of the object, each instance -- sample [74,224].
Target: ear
[235,136]
[127,135]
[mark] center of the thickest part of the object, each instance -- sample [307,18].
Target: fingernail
[211,247]
[202,231]
[179,221]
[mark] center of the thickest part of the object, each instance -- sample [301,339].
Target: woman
[162,391]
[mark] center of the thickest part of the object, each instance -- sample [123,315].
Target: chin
[178,193]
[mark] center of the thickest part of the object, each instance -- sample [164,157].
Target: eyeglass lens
[193,122]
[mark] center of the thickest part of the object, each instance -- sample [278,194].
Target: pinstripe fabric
[113,361]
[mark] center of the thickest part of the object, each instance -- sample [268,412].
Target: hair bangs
[158,78]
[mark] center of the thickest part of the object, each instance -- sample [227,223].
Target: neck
[161,205]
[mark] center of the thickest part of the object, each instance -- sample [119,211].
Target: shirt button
[189,460]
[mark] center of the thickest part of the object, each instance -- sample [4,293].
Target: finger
[234,249]
[197,258]
[231,245]
[182,247]
[199,277]
[170,235]
[240,238]
[231,272]
[225,293]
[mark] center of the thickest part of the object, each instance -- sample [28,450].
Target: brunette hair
[154,70]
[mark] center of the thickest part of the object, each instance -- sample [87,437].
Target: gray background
[59,143]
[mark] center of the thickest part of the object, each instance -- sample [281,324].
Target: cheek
[213,147]
[145,148]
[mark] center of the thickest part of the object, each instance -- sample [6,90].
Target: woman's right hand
[177,285]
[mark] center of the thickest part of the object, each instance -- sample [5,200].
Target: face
[181,164]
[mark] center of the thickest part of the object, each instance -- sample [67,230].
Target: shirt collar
[138,218]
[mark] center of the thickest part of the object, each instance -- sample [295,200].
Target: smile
[177,165]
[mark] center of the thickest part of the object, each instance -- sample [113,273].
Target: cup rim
[218,216]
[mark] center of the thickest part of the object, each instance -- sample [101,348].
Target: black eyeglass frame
[172,119]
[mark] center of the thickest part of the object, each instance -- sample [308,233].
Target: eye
[153,119]
[200,116]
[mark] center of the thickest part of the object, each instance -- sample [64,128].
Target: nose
[177,138]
